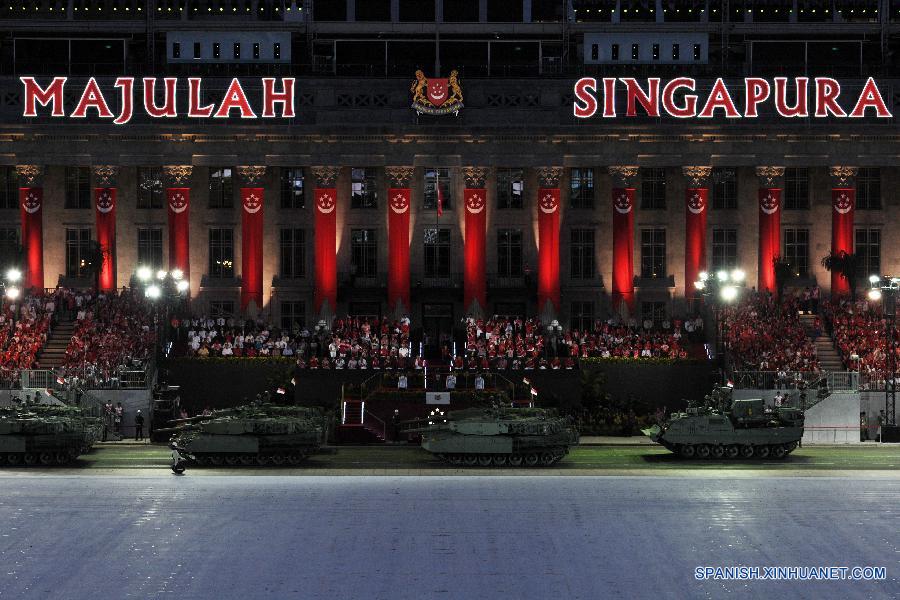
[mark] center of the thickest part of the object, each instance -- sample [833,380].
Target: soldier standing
[138,426]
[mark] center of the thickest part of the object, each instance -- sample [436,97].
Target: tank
[45,434]
[497,436]
[726,428]
[249,435]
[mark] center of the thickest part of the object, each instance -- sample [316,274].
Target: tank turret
[726,428]
[497,436]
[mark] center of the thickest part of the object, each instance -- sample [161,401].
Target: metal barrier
[134,379]
[790,380]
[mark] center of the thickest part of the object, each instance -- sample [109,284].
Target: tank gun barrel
[179,428]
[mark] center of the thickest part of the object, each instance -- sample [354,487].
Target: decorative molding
[325,176]
[475,177]
[250,175]
[623,175]
[177,175]
[841,175]
[697,175]
[106,175]
[400,177]
[769,174]
[30,175]
[549,177]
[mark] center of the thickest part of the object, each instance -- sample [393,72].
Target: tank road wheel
[232,459]
[454,459]
[687,451]
[484,460]
[515,460]
[262,460]
[531,459]
[248,459]
[200,459]
[499,460]
[278,459]
[470,460]
[702,451]
[30,458]
[747,451]
[295,458]
[732,451]
[13,459]
[215,460]
[779,451]
[762,452]
[62,458]
[790,447]
[547,459]
[47,458]
[718,451]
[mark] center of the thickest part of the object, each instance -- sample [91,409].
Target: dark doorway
[437,331]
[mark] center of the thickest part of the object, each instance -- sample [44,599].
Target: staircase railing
[378,425]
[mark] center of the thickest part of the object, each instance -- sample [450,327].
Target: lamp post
[720,290]
[885,288]
[164,289]
[11,291]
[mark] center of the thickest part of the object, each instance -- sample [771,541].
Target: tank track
[543,457]
[732,451]
[274,459]
[38,459]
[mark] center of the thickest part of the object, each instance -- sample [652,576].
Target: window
[510,188]
[176,50]
[9,188]
[595,51]
[509,252]
[78,187]
[363,253]
[293,253]
[150,248]
[614,52]
[256,50]
[293,315]
[217,50]
[581,188]
[9,247]
[635,51]
[653,189]
[796,189]
[197,50]
[582,254]
[221,253]
[363,188]
[221,308]
[78,252]
[149,187]
[655,51]
[724,249]
[437,253]
[292,195]
[868,189]
[434,177]
[868,251]
[655,311]
[221,192]
[653,253]
[237,50]
[796,250]
[676,52]
[276,51]
[697,54]
[724,189]
[582,316]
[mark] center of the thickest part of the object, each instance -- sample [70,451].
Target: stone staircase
[829,359]
[53,354]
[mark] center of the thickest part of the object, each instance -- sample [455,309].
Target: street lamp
[720,291]
[885,288]
[164,289]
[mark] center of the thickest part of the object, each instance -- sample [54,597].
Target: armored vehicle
[497,436]
[728,428]
[46,435]
[248,435]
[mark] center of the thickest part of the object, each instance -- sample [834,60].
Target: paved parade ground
[164,536]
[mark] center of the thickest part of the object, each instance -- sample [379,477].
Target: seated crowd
[858,329]
[764,334]
[24,325]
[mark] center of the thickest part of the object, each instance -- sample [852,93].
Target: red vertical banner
[843,203]
[398,248]
[695,204]
[179,200]
[31,199]
[251,246]
[769,236]
[623,247]
[474,272]
[326,248]
[548,247]
[105,205]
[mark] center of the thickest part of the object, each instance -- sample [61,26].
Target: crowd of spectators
[765,334]
[858,329]
[24,325]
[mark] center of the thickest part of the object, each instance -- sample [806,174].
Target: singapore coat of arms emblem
[436,96]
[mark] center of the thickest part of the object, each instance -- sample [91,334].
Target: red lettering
[635,95]
[870,97]
[194,108]
[235,98]
[127,85]
[719,98]
[34,95]
[800,108]
[585,105]
[92,97]
[609,97]
[827,92]
[285,97]
[756,91]
[168,109]
[690,100]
